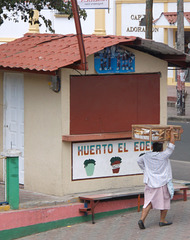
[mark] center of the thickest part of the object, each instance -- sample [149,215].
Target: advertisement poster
[93,4]
[114,60]
[107,158]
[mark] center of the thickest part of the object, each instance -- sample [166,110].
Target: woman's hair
[157,147]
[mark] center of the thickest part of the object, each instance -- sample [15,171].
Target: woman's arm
[172,138]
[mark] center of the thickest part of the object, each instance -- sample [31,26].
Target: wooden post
[180,73]
[180,26]
[83,64]
[149,5]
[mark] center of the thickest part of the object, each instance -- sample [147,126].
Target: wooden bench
[178,187]
[91,201]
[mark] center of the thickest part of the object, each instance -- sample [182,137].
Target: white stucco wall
[1,124]
[172,7]
[110,19]
[10,29]
[61,25]
[131,16]
[43,165]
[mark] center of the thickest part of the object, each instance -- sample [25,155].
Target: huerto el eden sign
[107,158]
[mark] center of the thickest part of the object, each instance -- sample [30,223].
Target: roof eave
[28,70]
[174,57]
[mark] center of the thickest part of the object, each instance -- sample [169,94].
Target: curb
[29,205]
[185,183]
[20,223]
[5,208]
[179,119]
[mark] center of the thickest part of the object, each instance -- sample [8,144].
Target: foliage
[88,161]
[115,159]
[14,10]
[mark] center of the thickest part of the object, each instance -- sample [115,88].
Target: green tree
[15,10]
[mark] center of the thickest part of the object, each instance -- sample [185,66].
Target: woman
[157,173]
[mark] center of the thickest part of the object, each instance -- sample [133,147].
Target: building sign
[114,60]
[107,158]
[140,24]
[93,4]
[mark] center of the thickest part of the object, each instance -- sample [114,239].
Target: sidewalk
[29,199]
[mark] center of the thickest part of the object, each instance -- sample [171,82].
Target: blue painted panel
[114,60]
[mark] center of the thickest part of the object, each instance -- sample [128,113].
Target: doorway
[13,121]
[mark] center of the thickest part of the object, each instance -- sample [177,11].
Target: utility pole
[149,6]
[83,65]
[181,74]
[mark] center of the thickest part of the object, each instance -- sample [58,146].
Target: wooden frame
[155,133]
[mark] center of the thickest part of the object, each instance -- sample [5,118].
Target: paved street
[182,151]
[124,227]
[181,170]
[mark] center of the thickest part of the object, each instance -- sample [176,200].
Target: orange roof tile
[172,17]
[187,16]
[49,52]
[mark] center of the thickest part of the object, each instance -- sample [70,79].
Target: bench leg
[93,222]
[184,194]
[139,202]
[93,205]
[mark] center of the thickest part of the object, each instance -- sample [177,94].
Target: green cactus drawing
[89,166]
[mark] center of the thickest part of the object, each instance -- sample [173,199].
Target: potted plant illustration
[89,166]
[115,163]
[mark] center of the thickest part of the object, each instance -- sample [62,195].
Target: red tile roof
[172,17]
[49,52]
[187,16]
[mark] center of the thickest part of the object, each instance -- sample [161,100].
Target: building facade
[74,127]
